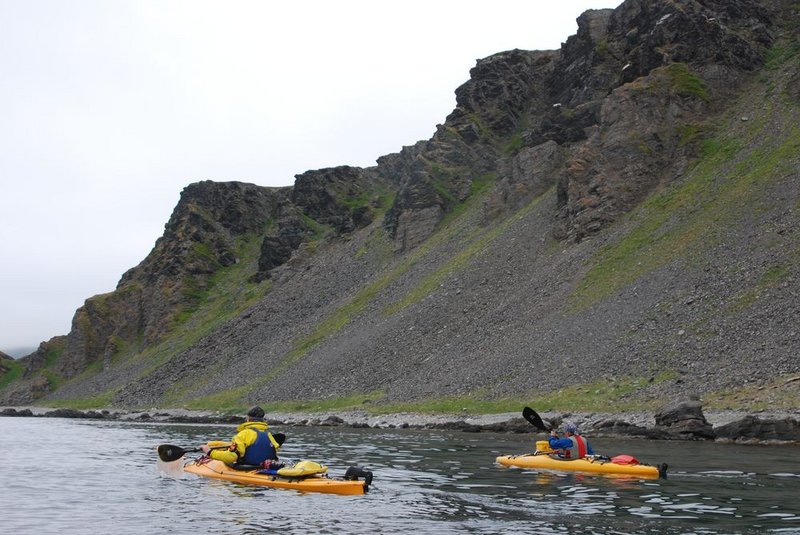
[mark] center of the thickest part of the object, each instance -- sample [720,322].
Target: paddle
[534,419]
[169,453]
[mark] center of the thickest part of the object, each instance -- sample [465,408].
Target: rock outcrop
[685,419]
[5,361]
[764,429]
[199,239]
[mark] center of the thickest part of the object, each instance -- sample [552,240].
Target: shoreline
[758,427]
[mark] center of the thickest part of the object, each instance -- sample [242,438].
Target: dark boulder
[752,427]
[686,420]
[331,421]
[459,425]
[515,425]
[14,412]
[67,413]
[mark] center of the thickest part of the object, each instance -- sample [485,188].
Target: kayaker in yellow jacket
[252,445]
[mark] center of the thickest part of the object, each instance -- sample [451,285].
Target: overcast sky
[109,108]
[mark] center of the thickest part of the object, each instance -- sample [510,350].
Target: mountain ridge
[559,235]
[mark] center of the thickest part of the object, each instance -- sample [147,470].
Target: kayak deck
[314,483]
[593,465]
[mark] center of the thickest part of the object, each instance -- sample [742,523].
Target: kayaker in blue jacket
[573,446]
[253,443]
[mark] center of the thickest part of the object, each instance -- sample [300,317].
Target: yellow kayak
[310,483]
[595,464]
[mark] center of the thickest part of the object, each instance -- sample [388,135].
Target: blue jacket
[570,446]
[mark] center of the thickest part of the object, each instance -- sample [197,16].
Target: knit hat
[255,413]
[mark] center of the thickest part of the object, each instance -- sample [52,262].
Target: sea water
[77,476]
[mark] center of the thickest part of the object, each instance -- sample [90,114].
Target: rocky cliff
[615,220]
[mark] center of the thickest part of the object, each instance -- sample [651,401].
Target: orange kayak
[311,483]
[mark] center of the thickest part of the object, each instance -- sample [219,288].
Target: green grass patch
[14,371]
[380,198]
[513,144]
[101,401]
[478,189]
[206,253]
[782,393]
[779,55]
[608,395]
[356,401]
[194,291]
[690,133]
[318,230]
[440,188]
[602,49]
[356,201]
[484,132]
[54,379]
[774,275]
[228,401]
[742,301]
[465,404]
[17,369]
[673,79]
[481,184]
[225,293]
[53,355]
[685,82]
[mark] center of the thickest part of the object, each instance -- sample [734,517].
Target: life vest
[578,449]
[260,450]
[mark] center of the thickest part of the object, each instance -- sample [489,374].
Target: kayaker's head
[570,428]
[255,414]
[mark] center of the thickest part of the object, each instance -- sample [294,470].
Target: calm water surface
[72,476]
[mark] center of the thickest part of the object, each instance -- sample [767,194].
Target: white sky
[109,108]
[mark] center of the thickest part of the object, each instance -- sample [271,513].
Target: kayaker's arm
[559,443]
[220,450]
[238,445]
[226,456]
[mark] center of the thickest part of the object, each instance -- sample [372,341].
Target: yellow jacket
[245,436]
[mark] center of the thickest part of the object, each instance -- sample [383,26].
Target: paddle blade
[169,453]
[280,438]
[534,419]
